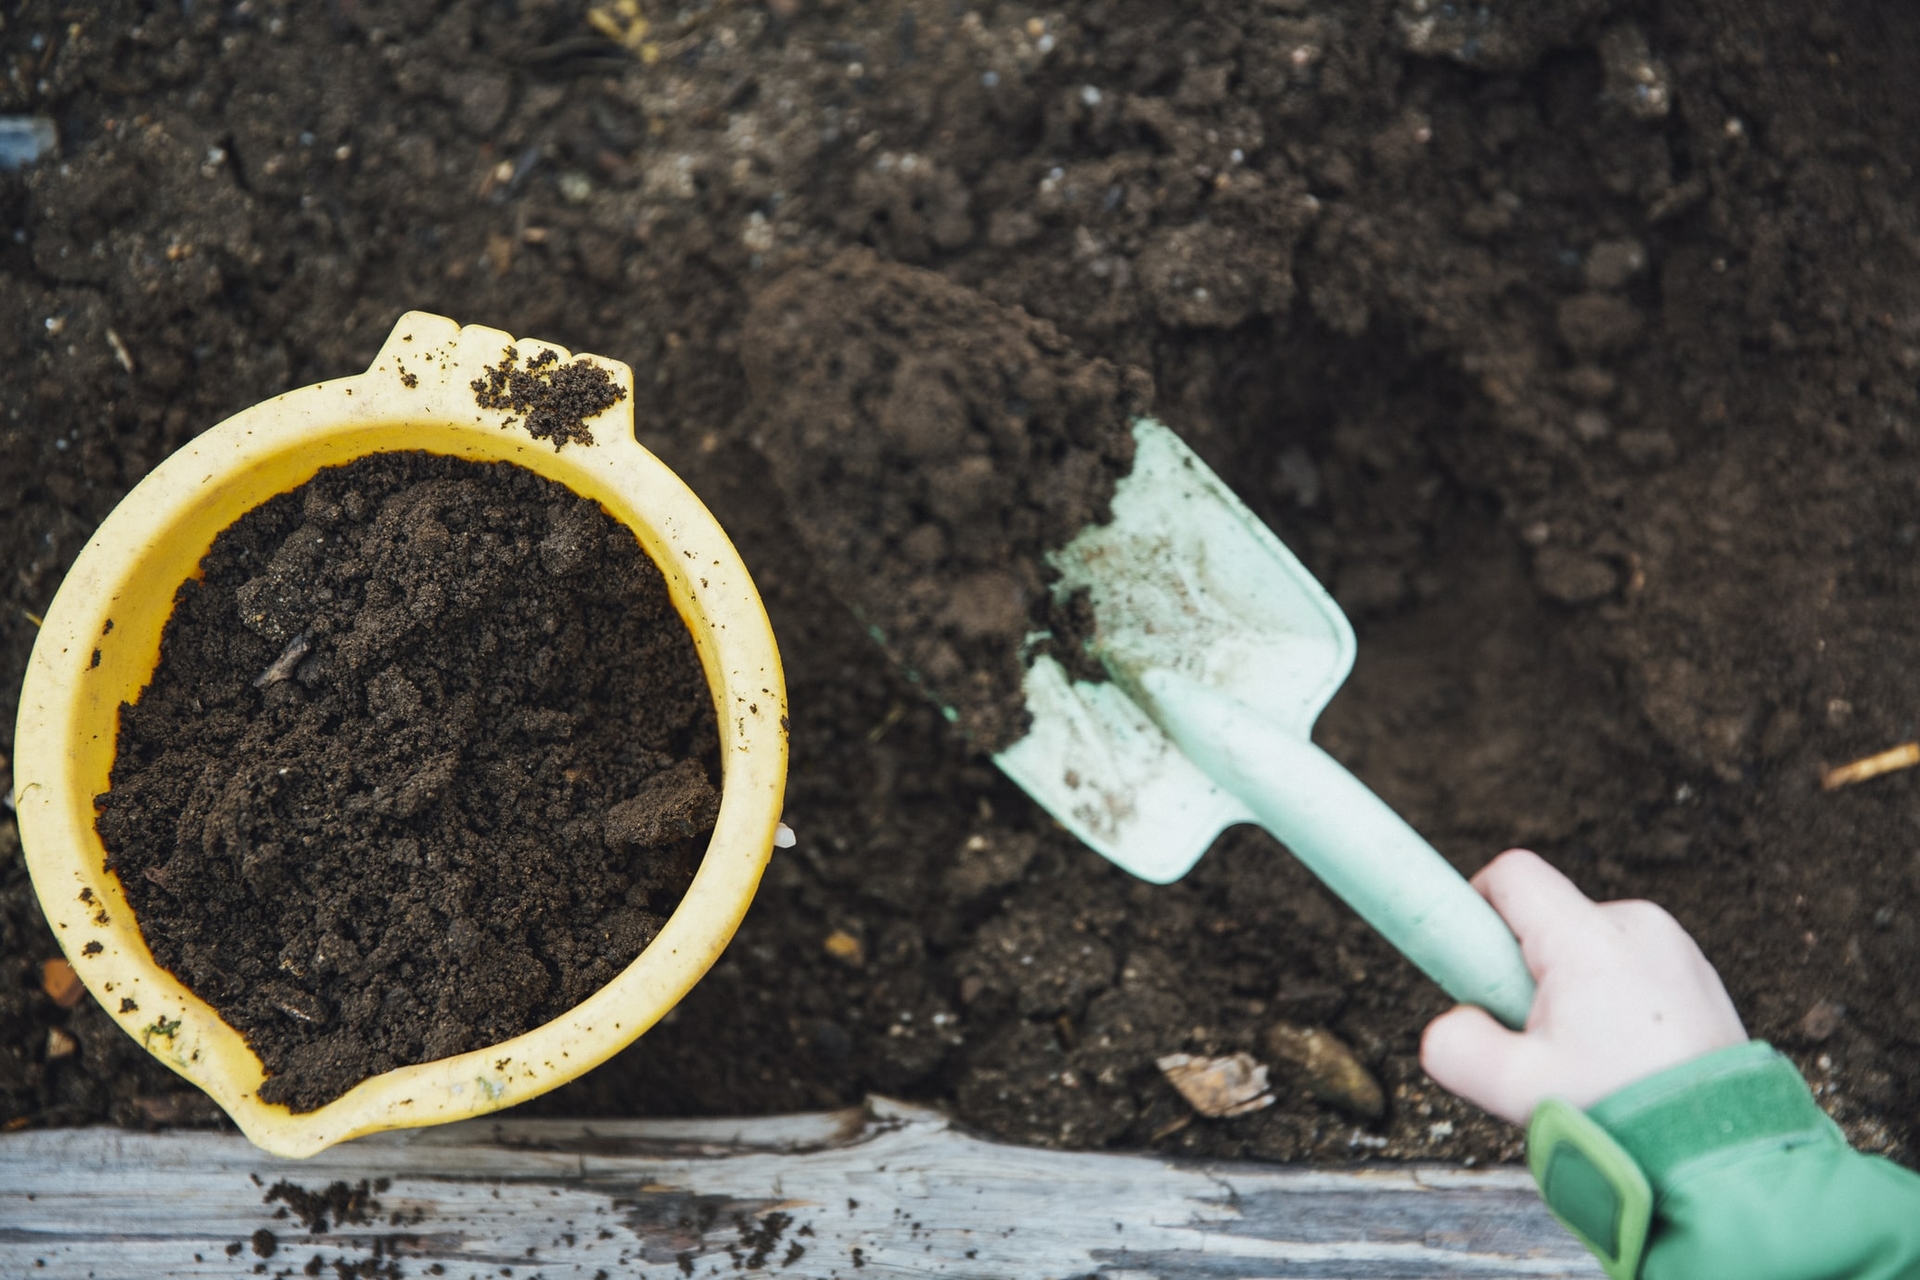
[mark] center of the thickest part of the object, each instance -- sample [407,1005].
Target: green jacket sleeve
[1749,1178]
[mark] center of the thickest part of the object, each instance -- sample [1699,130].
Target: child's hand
[1623,994]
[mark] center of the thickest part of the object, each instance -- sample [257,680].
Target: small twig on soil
[1904,756]
[1170,1128]
[893,717]
[283,665]
[120,351]
[33,617]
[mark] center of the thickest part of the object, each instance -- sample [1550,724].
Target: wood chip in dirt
[1218,1087]
[1893,759]
[61,983]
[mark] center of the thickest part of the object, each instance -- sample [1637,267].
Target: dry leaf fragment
[846,948]
[61,983]
[1229,1086]
[500,253]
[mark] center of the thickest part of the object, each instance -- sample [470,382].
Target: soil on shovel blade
[428,758]
[1574,345]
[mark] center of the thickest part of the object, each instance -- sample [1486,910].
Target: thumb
[1470,1054]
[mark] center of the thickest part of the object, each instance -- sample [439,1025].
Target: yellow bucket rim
[100,643]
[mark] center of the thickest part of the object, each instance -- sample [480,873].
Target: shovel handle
[1349,837]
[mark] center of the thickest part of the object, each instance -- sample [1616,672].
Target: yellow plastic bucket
[100,643]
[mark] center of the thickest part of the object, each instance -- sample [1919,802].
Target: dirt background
[1573,344]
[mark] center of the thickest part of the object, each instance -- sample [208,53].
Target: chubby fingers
[1471,1055]
[1545,910]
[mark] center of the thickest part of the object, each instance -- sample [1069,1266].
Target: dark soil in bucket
[427,760]
[1573,344]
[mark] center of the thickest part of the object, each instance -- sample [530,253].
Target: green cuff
[1591,1185]
[1603,1172]
[1712,1111]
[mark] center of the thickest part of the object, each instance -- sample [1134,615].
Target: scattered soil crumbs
[556,398]
[758,1240]
[426,761]
[376,1267]
[338,1204]
[933,446]
[331,1209]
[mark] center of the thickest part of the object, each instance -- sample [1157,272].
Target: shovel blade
[1184,578]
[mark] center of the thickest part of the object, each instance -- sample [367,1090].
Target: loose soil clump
[933,447]
[556,399]
[428,758]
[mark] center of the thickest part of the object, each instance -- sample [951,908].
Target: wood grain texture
[877,1192]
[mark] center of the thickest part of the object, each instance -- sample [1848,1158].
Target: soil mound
[933,447]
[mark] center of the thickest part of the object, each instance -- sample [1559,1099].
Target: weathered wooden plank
[881,1192]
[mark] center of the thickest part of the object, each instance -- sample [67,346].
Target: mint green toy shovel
[1222,651]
